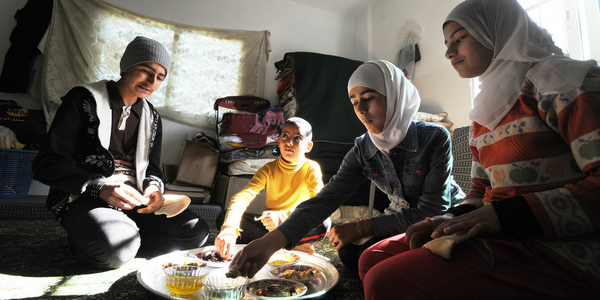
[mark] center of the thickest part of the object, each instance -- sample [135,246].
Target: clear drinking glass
[185,280]
[221,287]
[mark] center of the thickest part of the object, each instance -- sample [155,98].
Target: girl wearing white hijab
[386,102]
[407,160]
[383,77]
[532,219]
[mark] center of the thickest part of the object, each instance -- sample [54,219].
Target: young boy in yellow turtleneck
[288,181]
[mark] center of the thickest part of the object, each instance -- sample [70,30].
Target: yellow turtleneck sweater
[286,185]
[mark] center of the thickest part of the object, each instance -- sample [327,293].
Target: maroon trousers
[389,270]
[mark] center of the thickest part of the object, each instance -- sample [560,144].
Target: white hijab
[521,49]
[402,100]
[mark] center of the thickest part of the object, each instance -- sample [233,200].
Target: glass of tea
[186,279]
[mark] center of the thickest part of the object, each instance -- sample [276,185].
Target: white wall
[441,89]
[293,27]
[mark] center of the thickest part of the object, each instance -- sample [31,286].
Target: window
[88,37]
[572,23]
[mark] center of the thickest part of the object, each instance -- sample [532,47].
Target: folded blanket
[321,94]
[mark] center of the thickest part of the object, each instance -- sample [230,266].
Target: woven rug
[34,207]
[30,207]
[36,264]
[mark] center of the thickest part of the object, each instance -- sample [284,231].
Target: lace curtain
[87,38]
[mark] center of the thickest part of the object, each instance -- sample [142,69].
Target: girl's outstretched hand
[256,254]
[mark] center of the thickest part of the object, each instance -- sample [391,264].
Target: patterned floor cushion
[461,169]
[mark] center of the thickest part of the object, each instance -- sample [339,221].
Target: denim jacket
[415,176]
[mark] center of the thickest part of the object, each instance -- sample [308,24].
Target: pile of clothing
[247,133]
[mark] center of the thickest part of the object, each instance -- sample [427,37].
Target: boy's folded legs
[106,238]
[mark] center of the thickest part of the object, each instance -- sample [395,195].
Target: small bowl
[184,280]
[221,287]
[278,288]
[295,276]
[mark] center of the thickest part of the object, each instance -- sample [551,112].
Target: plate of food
[283,258]
[212,258]
[151,274]
[270,289]
[300,273]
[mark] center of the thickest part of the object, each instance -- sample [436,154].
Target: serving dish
[151,276]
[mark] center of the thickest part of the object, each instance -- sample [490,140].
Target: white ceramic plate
[151,275]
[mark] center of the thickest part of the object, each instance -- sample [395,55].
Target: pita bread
[442,246]
[173,205]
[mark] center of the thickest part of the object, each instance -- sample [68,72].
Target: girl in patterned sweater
[530,226]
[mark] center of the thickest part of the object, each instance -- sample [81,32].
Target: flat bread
[443,246]
[173,205]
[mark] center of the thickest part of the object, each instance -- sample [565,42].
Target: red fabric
[284,83]
[390,271]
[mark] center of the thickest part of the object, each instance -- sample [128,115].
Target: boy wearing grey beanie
[142,50]
[102,163]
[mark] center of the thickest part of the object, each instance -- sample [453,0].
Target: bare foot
[308,248]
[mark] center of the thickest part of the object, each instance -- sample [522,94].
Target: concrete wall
[441,89]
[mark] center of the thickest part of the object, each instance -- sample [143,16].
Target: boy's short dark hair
[303,125]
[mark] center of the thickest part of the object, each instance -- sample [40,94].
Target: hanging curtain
[87,38]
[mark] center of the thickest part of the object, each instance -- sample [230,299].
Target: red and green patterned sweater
[547,150]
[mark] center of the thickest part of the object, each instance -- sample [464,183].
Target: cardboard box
[198,164]
[227,186]
[170,172]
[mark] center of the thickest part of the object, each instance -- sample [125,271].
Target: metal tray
[151,276]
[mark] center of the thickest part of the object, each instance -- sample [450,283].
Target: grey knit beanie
[143,49]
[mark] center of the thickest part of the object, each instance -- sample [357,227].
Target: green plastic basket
[15,172]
